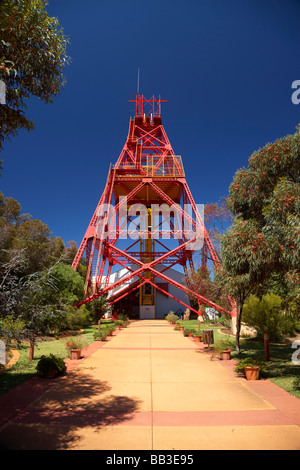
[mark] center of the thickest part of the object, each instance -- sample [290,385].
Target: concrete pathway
[149,388]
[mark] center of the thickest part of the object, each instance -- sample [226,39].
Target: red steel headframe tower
[147,180]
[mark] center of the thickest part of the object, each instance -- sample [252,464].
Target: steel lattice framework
[147,174]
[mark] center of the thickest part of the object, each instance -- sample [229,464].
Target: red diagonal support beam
[189,291]
[172,296]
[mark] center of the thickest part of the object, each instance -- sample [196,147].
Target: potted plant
[100,335]
[197,336]
[75,345]
[251,368]
[188,331]
[172,318]
[111,328]
[50,366]
[223,348]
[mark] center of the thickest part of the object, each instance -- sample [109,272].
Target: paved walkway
[149,388]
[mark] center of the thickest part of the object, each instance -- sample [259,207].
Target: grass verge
[25,369]
[280,369]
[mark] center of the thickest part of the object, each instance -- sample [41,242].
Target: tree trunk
[31,349]
[238,328]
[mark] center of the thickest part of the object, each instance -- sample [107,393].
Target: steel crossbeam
[146,168]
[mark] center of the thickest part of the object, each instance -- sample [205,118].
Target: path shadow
[54,421]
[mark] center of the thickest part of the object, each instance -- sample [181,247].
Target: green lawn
[280,369]
[24,369]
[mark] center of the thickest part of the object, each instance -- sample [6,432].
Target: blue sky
[225,67]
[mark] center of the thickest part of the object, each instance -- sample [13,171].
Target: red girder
[188,291]
[146,163]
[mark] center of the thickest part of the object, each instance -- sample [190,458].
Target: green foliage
[48,364]
[250,362]
[225,321]
[111,327]
[32,59]
[98,307]
[188,331]
[267,195]
[68,283]
[252,188]
[77,318]
[42,300]
[197,333]
[123,317]
[41,250]
[225,342]
[267,317]
[171,317]
[11,329]
[265,238]
[200,281]
[31,237]
[75,342]
[100,335]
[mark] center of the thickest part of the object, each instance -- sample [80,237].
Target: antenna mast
[138,81]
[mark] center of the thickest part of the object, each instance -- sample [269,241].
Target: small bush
[171,317]
[123,317]
[77,319]
[100,335]
[250,362]
[11,329]
[187,331]
[267,317]
[51,366]
[75,342]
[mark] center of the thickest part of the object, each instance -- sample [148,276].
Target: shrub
[250,362]
[171,317]
[187,331]
[78,318]
[11,329]
[111,328]
[51,366]
[197,333]
[267,317]
[100,335]
[223,344]
[123,317]
[75,342]
[225,321]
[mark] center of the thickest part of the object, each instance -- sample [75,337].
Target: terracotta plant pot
[225,355]
[252,373]
[197,339]
[51,373]
[75,353]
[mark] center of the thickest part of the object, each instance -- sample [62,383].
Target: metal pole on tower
[138,82]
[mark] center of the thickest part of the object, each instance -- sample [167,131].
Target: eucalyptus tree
[32,60]
[264,240]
